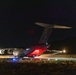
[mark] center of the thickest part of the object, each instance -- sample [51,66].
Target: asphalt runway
[45,57]
[54,57]
[6,56]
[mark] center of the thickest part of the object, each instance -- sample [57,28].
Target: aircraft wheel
[34,55]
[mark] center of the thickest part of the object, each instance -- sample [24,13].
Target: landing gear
[33,56]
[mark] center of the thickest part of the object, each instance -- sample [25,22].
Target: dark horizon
[17,21]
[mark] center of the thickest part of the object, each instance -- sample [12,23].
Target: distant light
[46,43]
[64,51]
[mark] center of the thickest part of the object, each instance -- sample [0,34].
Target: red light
[36,51]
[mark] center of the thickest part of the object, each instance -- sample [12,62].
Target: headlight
[1,51]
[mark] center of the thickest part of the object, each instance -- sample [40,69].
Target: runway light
[48,58]
[14,59]
[64,51]
[56,59]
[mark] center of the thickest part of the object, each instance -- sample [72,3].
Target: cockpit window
[27,49]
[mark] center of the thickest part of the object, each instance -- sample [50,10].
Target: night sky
[17,20]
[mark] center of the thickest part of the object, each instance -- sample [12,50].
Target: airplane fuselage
[30,51]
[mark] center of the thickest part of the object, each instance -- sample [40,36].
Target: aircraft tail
[48,29]
[54,26]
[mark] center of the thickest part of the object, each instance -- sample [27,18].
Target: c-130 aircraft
[42,46]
